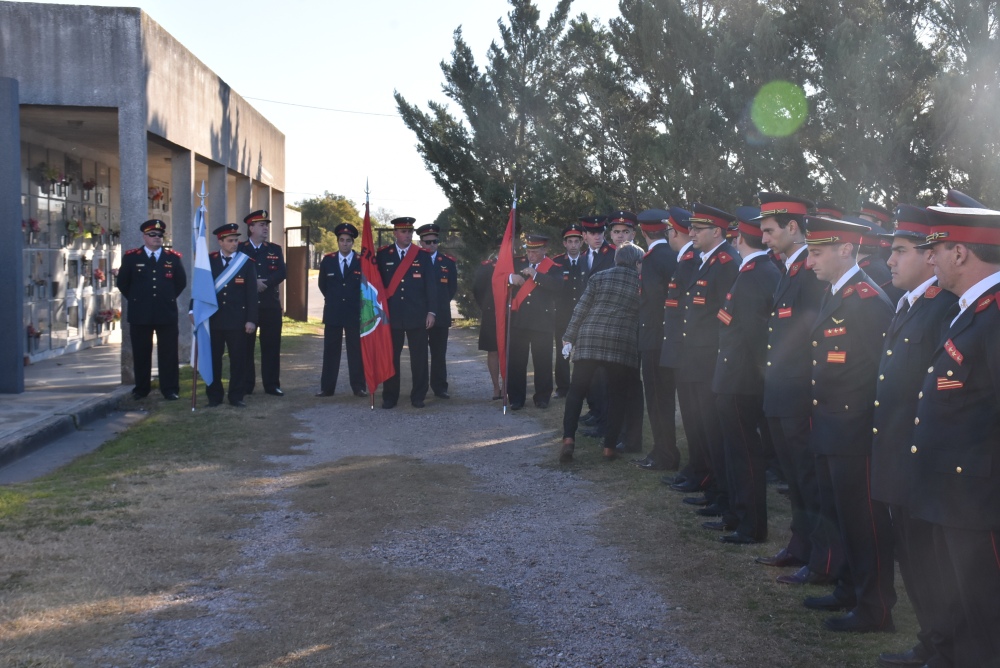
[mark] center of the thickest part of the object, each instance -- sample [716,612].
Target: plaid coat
[605,322]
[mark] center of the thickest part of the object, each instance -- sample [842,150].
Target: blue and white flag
[204,303]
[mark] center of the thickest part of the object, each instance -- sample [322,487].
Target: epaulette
[449,257]
[556,264]
[933,292]
[384,247]
[984,302]
[214,254]
[687,256]
[425,250]
[173,252]
[329,255]
[864,263]
[604,249]
[863,289]
[133,251]
[748,266]
[724,257]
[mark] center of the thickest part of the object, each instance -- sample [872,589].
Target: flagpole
[194,330]
[510,295]
[371,390]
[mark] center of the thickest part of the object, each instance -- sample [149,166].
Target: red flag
[501,284]
[376,338]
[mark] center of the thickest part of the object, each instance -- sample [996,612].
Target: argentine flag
[204,304]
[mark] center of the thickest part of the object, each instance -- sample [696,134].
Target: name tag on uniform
[702,283]
[417,275]
[141,265]
[670,303]
[785,312]
[239,280]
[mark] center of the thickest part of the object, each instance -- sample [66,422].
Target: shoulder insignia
[724,257]
[384,247]
[173,252]
[424,250]
[865,290]
[984,302]
[214,254]
[329,255]
[795,268]
[849,291]
[133,251]
[933,292]
[687,256]
[605,248]
[864,263]
[749,265]
[449,257]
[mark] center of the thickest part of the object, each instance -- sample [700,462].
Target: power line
[308,106]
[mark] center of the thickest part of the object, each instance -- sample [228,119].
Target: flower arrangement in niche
[99,275]
[31,225]
[34,333]
[97,229]
[155,194]
[89,184]
[75,228]
[108,315]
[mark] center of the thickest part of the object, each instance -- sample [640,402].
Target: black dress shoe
[138,396]
[717,526]
[238,404]
[711,510]
[323,393]
[696,500]
[687,487]
[213,404]
[649,464]
[388,404]
[804,576]
[736,538]
[782,559]
[417,404]
[516,407]
[851,623]
[828,602]
[361,393]
[442,395]
[541,404]
[915,656]
[171,396]
[276,392]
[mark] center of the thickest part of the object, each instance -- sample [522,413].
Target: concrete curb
[43,432]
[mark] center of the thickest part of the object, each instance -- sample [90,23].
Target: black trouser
[865,533]
[583,373]
[141,337]
[417,341]
[746,465]
[540,344]
[270,351]
[333,338]
[931,589]
[437,342]
[660,390]
[969,560]
[701,427]
[790,437]
[236,341]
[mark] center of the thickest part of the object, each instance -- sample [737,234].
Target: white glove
[566,350]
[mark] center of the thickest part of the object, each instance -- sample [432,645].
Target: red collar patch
[933,292]
[795,268]
[687,256]
[984,302]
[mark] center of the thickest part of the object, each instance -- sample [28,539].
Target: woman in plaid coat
[603,333]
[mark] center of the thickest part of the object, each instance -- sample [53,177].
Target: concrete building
[107,121]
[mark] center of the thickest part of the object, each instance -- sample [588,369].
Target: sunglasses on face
[429,241]
[157,235]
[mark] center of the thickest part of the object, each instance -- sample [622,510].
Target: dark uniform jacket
[739,368]
[269,263]
[846,344]
[342,294]
[956,440]
[657,268]
[238,298]
[910,343]
[604,257]
[788,370]
[151,288]
[672,351]
[446,276]
[879,272]
[704,294]
[574,280]
[537,311]
[416,295]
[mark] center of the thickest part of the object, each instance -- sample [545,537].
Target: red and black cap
[963,225]
[594,224]
[536,241]
[820,231]
[428,229]
[702,214]
[573,230]
[227,230]
[680,220]
[911,223]
[876,211]
[404,223]
[772,204]
[260,216]
[653,220]
[622,218]
[828,209]
[154,225]
[346,228]
[957,198]
[748,221]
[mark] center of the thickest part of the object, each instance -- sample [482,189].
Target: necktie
[226,260]
[906,307]
[572,263]
[345,267]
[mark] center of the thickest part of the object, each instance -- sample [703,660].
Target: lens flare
[779,109]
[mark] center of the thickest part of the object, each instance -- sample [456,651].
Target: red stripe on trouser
[878,558]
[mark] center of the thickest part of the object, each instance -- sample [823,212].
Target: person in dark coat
[787,378]
[151,278]
[846,341]
[573,265]
[738,383]
[446,277]
[340,283]
[601,334]
[236,317]
[658,266]
[913,336]
[269,263]
[872,257]
[532,309]
[956,436]
[600,253]
[482,292]
[408,277]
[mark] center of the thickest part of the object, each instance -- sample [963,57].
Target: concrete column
[243,204]
[217,202]
[184,205]
[12,337]
[133,156]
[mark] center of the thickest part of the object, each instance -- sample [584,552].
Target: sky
[344,55]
